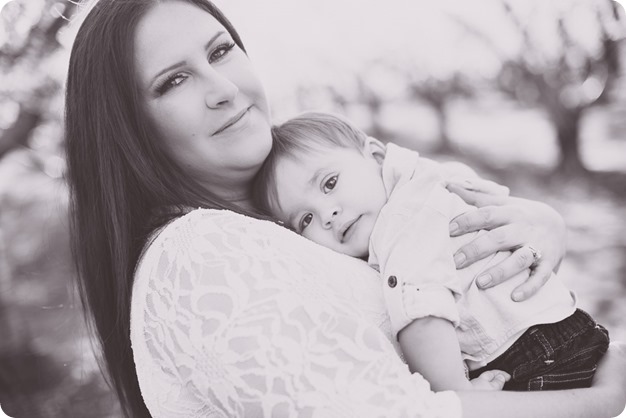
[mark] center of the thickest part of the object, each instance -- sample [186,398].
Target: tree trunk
[10,338]
[376,129]
[568,136]
[18,134]
[445,143]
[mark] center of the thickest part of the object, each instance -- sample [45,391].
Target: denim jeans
[563,355]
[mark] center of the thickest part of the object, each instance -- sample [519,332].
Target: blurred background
[531,93]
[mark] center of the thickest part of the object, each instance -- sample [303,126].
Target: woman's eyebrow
[181,63]
[165,70]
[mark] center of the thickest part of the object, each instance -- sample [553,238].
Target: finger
[538,277]
[489,375]
[479,185]
[498,382]
[491,187]
[499,239]
[520,260]
[487,217]
[495,375]
[501,374]
[477,198]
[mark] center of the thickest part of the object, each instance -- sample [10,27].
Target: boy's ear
[375,148]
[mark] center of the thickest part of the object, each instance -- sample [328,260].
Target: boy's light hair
[303,134]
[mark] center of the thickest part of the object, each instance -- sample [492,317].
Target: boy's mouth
[346,230]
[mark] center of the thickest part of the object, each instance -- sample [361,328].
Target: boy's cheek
[317,236]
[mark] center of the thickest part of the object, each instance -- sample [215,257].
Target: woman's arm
[512,224]
[605,399]
[431,348]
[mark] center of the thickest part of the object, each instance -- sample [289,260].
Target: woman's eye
[170,83]
[330,184]
[221,51]
[305,221]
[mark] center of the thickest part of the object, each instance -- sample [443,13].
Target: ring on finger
[536,255]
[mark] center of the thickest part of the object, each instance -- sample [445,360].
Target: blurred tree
[371,98]
[438,92]
[367,87]
[30,89]
[28,40]
[565,76]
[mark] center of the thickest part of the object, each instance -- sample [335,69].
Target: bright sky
[302,42]
[4,3]
[294,42]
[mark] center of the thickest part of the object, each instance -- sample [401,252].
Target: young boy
[331,183]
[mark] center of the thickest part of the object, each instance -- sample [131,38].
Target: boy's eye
[305,221]
[330,184]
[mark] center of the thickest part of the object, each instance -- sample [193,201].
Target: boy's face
[331,196]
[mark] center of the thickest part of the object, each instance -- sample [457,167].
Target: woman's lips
[230,122]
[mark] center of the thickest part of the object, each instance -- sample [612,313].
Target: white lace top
[236,317]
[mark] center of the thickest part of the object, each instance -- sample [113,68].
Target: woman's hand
[610,377]
[513,224]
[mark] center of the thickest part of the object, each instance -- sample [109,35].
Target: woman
[228,315]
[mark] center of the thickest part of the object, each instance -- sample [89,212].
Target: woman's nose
[219,90]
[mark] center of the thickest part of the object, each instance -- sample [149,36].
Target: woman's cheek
[180,119]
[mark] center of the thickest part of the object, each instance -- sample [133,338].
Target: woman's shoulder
[217,218]
[211,252]
[215,226]
[209,248]
[210,236]
[228,220]
[209,245]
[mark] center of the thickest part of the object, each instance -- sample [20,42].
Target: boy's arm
[411,247]
[431,348]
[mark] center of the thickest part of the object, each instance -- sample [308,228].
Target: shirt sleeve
[412,248]
[237,318]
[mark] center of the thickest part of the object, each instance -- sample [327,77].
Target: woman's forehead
[168,31]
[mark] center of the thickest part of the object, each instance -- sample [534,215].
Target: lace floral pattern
[235,317]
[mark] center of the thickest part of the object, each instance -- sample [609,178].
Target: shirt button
[392,281]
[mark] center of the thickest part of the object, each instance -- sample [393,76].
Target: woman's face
[203,96]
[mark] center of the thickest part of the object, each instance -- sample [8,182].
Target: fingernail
[468,184]
[459,259]
[484,280]
[517,295]
[454,227]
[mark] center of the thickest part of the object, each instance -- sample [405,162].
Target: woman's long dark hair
[123,182]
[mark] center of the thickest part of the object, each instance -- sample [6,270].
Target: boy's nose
[330,218]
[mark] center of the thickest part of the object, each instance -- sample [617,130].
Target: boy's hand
[490,380]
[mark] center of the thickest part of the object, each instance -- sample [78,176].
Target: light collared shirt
[410,246]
